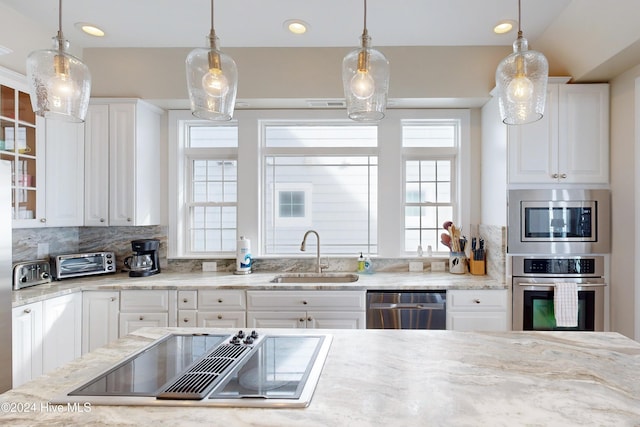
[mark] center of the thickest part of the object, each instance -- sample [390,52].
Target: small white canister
[243,256]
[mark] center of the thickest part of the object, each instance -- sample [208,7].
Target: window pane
[321,136]
[430,133]
[212,136]
[337,194]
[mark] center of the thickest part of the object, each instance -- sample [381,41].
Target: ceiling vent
[326,103]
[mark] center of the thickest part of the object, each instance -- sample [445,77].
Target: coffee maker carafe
[145,261]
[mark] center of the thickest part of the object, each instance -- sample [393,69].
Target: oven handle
[583,284]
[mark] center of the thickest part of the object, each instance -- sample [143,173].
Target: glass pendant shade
[521,82]
[212,80]
[60,83]
[365,78]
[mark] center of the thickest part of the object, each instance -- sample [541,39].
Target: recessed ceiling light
[90,29]
[296,26]
[503,27]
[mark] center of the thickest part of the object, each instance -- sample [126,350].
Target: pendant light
[212,79]
[521,80]
[60,83]
[365,78]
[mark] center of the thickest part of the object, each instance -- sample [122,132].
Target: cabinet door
[477,321]
[533,148]
[122,158]
[64,173]
[26,343]
[276,319]
[99,319]
[62,331]
[130,322]
[583,118]
[336,319]
[221,319]
[96,160]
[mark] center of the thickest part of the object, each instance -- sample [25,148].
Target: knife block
[477,267]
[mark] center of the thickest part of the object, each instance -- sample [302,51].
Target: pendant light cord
[365,16]
[60,37]
[519,17]
[212,32]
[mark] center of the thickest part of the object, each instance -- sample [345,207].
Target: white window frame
[390,172]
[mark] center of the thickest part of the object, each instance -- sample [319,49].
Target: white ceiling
[259,23]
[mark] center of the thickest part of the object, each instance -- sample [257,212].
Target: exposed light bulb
[61,89]
[520,89]
[362,85]
[215,83]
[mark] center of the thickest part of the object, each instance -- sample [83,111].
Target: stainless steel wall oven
[533,285]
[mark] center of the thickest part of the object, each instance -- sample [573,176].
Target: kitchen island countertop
[394,378]
[254,281]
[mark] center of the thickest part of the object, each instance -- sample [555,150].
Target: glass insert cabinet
[18,146]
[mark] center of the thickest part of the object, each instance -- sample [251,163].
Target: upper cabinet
[122,163]
[570,144]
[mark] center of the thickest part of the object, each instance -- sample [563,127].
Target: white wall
[493,166]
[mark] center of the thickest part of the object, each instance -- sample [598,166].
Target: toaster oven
[87,264]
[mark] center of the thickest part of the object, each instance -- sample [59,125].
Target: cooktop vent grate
[203,375]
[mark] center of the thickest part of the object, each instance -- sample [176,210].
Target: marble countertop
[394,378]
[254,281]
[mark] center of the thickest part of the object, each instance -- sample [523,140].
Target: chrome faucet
[303,247]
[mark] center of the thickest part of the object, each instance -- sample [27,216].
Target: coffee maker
[145,261]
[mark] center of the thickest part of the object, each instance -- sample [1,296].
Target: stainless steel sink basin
[315,278]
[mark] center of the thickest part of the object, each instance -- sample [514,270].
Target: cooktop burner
[213,370]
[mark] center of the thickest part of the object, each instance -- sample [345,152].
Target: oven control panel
[545,266]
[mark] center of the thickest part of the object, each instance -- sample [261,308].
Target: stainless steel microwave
[559,221]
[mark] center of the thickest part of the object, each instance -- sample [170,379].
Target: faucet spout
[303,247]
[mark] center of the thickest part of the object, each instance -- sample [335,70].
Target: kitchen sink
[315,278]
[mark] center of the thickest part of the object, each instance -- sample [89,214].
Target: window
[429,150]
[336,195]
[271,175]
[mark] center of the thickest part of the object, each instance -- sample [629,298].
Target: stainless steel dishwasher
[407,309]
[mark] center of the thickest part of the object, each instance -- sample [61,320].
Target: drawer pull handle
[304,302]
[309,319]
[185,300]
[220,300]
[301,320]
[185,320]
[219,316]
[477,300]
[141,317]
[27,310]
[113,299]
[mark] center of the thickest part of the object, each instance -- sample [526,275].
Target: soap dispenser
[368,265]
[360,263]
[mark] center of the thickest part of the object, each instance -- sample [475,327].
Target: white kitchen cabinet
[143,308]
[100,311]
[64,172]
[570,144]
[212,308]
[26,342]
[62,330]
[122,163]
[306,309]
[477,310]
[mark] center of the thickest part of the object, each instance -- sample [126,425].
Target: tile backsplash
[65,240]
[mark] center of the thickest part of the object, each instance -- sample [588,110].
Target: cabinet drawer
[187,300]
[144,301]
[217,300]
[480,300]
[187,318]
[307,300]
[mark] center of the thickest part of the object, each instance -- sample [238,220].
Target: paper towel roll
[243,256]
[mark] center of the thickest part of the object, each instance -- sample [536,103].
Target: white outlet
[43,250]
[416,266]
[209,266]
[437,266]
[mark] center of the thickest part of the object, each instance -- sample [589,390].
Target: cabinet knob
[555,175]
[43,220]
[185,300]
[102,220]
[564,175]
[128,219]
[304,302]
[220,300]
[301,319]
[27,310]
[113,299]
[185,320]
[477,300]
[141,317]
[219,316]
[309,319]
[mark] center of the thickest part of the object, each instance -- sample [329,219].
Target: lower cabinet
[144,308]
[477,310]
[212,308]
[100,310]
[306,309]
[46,335]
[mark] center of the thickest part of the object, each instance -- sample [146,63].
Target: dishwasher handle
[407,306]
